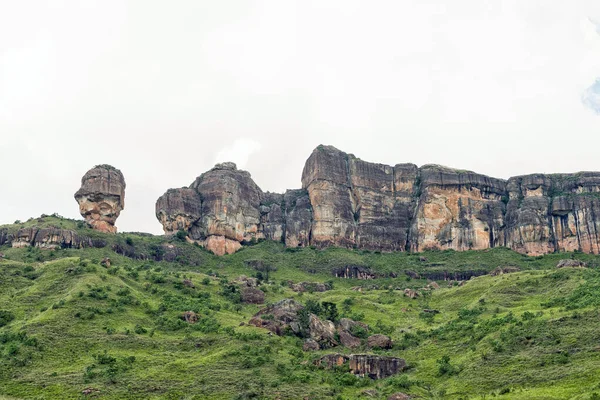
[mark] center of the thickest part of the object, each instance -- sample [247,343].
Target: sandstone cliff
[347,202]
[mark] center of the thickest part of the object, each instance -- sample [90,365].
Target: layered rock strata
[48,238]
[347,202]
[101,197]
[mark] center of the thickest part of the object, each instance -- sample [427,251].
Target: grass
[75,325]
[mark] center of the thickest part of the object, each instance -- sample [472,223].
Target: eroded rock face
[52,238]
[101,197]
[364,365]
[350,203]
[178,209]
[358,204]
[458,210]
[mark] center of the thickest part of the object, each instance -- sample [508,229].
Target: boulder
[399,396]
[379,341]
[308,287]
[190,317]
[347,340]
[243,280]
[571,263]
[348,324]
[252,295]
[322,331]
[101,197]
[310,345]
[410,293]
[279,317]
[189,283]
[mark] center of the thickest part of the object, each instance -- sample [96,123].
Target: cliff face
[347,202]
[458,210]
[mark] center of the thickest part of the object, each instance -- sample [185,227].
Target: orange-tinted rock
[101,197]
[347,202]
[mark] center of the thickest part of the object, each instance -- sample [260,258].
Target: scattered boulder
[310,345]
[322,331]
[308,287]
[379,341]
[190,317]
[252,295]
[504,270]
[279,317]
[348,324]
[90,390]
[243,280]
[399,396]
[431,311]
[412,274]
[423,259]
[410,293]
[189,283]
[347,340]
[101,197]
[106,263]
[433,285]
[369,393]
[571,263]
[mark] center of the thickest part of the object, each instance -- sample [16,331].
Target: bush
[6,317]
[181,235]
[445,368]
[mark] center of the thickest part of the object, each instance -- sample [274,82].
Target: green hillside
[68,323]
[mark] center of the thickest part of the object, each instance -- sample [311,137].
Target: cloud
[239,152]
[591,97]
[596,25]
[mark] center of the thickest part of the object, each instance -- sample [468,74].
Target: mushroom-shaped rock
[101,197]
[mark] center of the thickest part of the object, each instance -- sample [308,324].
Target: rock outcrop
[101,197]
[364,365]
[350,203]
[49,238]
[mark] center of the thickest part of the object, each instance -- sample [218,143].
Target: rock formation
[364,365]
[350,203]
[48,238]
[101,197]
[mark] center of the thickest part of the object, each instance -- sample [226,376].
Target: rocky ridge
[347,202]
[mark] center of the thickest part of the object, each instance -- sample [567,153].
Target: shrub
[444,366]
[6,317]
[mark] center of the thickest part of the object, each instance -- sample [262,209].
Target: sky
[164,90]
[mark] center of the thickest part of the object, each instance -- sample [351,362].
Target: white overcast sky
[164,90]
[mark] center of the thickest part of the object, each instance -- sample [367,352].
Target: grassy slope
[528,335]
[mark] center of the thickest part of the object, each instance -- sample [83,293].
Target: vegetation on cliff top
[68,324]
